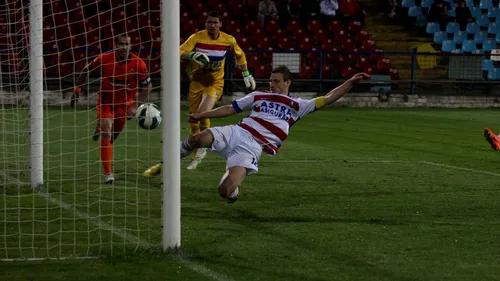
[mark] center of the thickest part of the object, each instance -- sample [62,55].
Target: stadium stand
[239,19]
[481,36]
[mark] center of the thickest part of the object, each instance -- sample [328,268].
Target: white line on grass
[122,234]
[459,168]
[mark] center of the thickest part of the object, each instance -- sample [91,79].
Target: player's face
[123,47]
[278,85]
[213,26]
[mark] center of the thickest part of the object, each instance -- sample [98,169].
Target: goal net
[74,214]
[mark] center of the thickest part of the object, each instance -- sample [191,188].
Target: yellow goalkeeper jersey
[216,51]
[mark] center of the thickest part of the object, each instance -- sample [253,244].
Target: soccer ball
[148,116]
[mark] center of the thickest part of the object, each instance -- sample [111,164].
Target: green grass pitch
[355,194]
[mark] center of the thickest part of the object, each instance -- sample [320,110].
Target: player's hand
[74,97]
[358,77]
[200,58]
[248,79]
[194,117]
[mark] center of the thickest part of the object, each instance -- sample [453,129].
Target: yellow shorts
[197,91]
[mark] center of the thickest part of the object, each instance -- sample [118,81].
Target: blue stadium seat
[487,65]
[489,44]
[453,27]
[407,3]
[472,28]
[469,3]
[427,3]
[493,12]
[448,46]
[440,36]
[492,28]
[475,11]
[433,27]
[480,37]
[483,20]
[414,11]
[469,46]
[494,74]
[421,21]
[381,87]
[452,13]
[497,38]
[459,37]
[485,4]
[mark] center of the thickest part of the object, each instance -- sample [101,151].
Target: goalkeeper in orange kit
[205,50]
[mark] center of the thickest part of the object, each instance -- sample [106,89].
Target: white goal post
[53,201]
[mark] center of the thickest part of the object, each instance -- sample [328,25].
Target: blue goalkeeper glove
[200,58]
[248,79]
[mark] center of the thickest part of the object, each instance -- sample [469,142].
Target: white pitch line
[13,180]
[459,168]
[122,234]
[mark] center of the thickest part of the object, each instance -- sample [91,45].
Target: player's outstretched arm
[219,112]
[343,89]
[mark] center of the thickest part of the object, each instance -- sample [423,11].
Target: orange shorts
[112,111]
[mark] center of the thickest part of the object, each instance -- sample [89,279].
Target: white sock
[235,193]
[186,149]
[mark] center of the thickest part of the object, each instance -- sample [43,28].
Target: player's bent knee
[201,139]
[225,190]
[106,135]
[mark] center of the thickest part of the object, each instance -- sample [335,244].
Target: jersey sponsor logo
[275,109]
[280,99]
[118,83]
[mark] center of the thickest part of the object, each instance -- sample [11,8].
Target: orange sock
[106,155]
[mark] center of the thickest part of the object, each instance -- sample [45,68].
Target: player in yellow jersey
[205,50]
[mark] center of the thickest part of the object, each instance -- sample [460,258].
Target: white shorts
[238,146]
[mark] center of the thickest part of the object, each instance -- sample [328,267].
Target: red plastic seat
[335,26]
[347,72]
[393,72]
[252,26]
[306,72]
[328,45]
[341,36]
[306,44]
[354,26]
[376,56]
[272,26]
[348,45]
[244,43]
[363,63]
[300,35]
[321,36]
[368,46]
[285,43]
[261,71]
[264,44]
[314,25]
[293,25]
[362,36]
[383,65]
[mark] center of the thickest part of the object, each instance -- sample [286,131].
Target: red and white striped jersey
[272,115]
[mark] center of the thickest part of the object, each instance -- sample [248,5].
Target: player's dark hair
[287,75]
[121,35]
[214,14]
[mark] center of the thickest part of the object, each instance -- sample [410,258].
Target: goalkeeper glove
[74,98]
[200,58]
[249,81]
